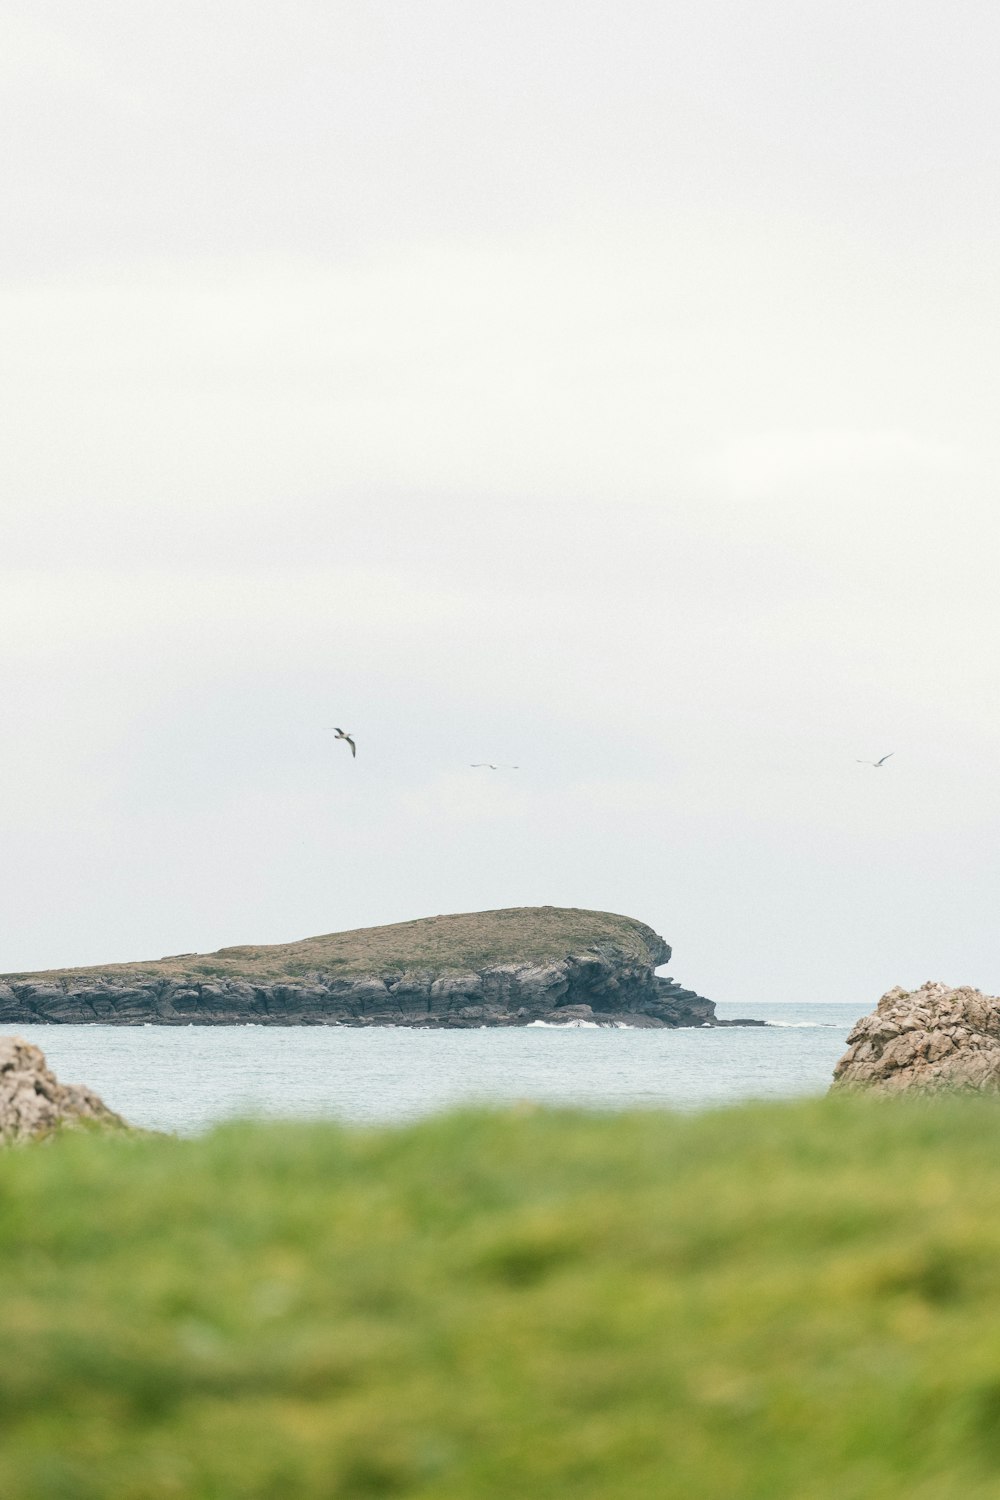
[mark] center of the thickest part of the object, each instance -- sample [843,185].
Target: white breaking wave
[804,1025]
[567,1025]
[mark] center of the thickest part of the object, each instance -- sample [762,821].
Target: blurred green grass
[796,1301]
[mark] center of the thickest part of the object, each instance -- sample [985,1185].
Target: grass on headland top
[794,1302]
[459,943]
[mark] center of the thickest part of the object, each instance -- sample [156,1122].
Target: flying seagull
[876,762]
[342,734]
[489,766]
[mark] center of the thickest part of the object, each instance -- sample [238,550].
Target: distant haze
[605,390]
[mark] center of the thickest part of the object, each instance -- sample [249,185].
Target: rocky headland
[33,1103]
[497,968]
[931,1039]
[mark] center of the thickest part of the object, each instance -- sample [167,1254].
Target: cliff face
[505,968]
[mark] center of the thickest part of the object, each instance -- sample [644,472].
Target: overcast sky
[611,390]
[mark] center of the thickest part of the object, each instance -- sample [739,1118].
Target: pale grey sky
[609,390]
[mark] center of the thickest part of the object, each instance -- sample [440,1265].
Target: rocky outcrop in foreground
[932,1039]
[34,1103]
[501,968]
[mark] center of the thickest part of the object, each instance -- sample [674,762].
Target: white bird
[876,763]
[341,734]
[489,766]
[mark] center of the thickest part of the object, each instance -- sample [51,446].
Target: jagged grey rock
[601,988]
[34,1103]
[932,1039]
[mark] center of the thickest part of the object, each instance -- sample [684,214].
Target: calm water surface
[186,1078]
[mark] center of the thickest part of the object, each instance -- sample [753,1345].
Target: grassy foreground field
[799,1301]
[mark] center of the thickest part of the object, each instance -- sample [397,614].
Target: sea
[185,1079]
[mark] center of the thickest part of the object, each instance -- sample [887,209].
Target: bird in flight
[876,762]
[341,734]
[488,765]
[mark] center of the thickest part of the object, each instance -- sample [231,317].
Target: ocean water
[187,1078]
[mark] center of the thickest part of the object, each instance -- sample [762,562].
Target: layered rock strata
[578,988]
[34,1103]
[609,980]
[931,1039]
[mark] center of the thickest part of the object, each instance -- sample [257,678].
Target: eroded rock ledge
[33,1103]
[931,1039]
[504,968]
